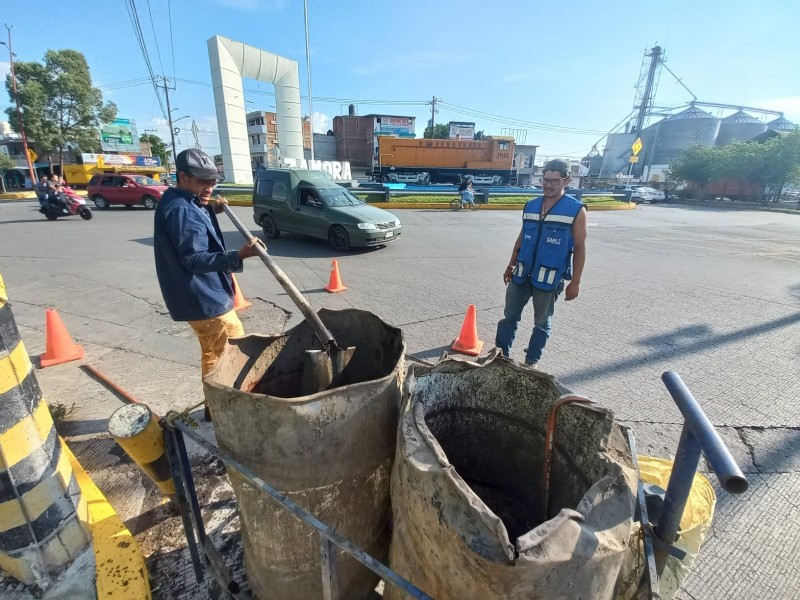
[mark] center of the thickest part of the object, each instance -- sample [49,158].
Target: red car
[128,190]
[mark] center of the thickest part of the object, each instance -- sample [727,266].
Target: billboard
[120,159]
[460,130]
[120,135]
[402,126]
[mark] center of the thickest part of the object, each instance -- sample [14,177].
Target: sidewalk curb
[439,206]
[121,571]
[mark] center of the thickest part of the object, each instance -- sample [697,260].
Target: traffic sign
[637,147]
[32,155]
[100,161]
[633,159]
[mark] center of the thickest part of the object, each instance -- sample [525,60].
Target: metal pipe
[549,443]
[728,473]
[357,553]
[180,493]
[330,571]
[650,572]
[323,333]
[102,378]
[698,437]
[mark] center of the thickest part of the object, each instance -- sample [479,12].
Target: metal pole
[336,539]
[31,170]
[308,72]
[171,128]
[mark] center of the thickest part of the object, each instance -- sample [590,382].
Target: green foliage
[440,132]
[59,103]
[6,164]
[769,164]
[157,146]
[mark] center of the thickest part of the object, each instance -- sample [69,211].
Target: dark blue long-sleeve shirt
[192,264]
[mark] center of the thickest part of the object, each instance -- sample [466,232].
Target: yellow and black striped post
[40,531]
[136,429]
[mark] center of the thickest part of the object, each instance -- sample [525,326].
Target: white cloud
[789,105]
[322,122]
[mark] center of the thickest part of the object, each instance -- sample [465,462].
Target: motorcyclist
[41,191]
[54,193]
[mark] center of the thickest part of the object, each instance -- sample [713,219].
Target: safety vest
[545,255]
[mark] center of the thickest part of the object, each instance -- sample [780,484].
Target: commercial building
[357,136]
[263,140]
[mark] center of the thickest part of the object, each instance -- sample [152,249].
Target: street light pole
[308,72]
[19,110]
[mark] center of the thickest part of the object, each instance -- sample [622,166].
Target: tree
[59,103]
[440,132]
[6,164]
[157,147]
[695,164]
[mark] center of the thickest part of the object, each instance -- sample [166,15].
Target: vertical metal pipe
[308,72]
[178,468]
[687,458]
[330,569]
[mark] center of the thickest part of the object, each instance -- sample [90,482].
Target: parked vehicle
[309,202]
[128,190]
[68,203]
[647,194]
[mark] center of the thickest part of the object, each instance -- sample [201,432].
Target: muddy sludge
[331,452]
[467,490]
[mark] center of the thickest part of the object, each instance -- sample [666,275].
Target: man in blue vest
[550,249]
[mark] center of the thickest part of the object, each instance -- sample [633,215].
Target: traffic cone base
[335,283]
[467,341]
[239,301]
[60,347]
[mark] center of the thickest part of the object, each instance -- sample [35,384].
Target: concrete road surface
[713,295]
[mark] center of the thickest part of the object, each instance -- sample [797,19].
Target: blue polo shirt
[192,264]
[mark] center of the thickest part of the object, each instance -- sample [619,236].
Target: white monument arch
[231,61]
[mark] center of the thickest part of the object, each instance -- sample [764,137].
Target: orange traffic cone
[60,347]
[335,283]
[239,302]
[467,341]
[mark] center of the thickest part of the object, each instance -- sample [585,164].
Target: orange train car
[488,161]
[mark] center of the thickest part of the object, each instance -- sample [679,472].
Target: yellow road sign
[100,161]
[637,147]
[32,155]
[633,159]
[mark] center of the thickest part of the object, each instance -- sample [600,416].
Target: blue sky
[565,65]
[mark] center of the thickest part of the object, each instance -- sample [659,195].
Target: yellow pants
[212,335]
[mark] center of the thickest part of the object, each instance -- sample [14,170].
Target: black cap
[197,163]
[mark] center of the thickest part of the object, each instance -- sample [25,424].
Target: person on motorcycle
[466,192]
[41,191]
[54,192]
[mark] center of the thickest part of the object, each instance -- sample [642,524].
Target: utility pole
[308,71]
[169,120]
[433,102]
[19,109]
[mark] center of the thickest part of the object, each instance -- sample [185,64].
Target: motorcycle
[72,204]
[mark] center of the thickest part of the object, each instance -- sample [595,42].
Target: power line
[519,122]
[130,5]
[155,37]
[171,41]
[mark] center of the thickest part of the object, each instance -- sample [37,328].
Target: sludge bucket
[467,487]
[331,452]
[695,523]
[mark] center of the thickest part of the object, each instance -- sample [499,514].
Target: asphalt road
[711,294]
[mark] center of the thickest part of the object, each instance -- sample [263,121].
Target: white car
[647,194]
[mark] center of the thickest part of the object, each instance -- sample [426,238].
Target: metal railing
[205,555]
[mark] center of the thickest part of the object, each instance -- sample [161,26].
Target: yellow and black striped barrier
[136,429]
[40,499]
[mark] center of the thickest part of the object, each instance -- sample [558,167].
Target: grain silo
[666,139]
[739,127]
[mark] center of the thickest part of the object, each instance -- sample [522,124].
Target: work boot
[530,363]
